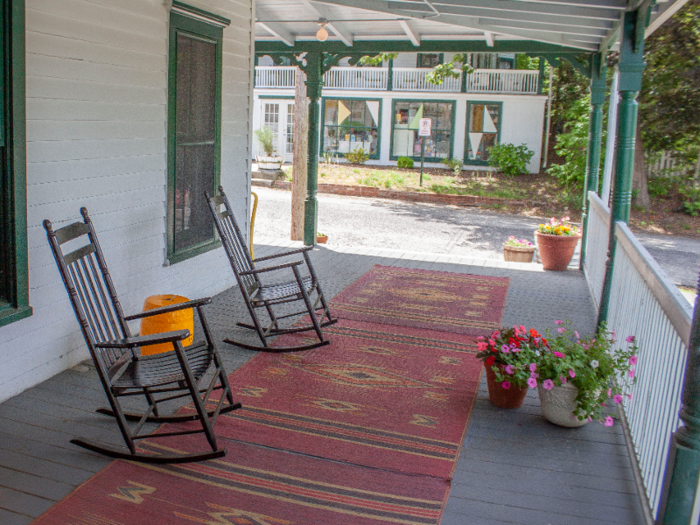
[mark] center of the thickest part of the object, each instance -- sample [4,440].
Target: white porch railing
[596,245]
[414,79]
[405,79]
[364,78]
[275,76]
[644,303]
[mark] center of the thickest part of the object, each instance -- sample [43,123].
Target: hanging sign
[424,127]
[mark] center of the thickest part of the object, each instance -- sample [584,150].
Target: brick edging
[411,196]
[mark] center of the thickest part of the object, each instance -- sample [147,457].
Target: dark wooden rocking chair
[258,295]
[116,354]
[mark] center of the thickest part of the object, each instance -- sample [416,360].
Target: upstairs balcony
[506,81]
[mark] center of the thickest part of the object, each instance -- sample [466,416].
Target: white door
[278,115]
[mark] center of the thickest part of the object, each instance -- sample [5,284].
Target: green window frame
[421,59]
[438,129]
[14,268]
[487,138]
[194,128]
[361,130]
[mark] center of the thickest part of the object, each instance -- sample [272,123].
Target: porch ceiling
[588,25]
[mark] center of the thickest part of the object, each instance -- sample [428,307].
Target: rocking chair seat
[276,292]
[162,369]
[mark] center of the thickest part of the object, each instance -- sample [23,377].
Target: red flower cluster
[506,341]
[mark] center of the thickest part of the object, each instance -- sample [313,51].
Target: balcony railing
[509,81]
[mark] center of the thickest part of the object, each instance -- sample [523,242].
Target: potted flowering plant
[575,377]
[556,242]
[518,250]
[507,354]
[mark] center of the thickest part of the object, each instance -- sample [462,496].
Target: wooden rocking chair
[116,354]
[258,295]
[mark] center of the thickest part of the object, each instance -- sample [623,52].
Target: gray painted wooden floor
[515,468]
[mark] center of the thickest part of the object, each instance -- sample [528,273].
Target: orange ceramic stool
[179,320]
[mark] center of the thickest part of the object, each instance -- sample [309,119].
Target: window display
[407,143]
[483,130]
[349,124]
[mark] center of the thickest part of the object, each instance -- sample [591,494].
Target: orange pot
[180,320]
[556,251]
[512,397]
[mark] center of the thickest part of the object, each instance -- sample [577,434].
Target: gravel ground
[380,223]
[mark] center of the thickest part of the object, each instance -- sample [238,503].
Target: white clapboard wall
[96,136]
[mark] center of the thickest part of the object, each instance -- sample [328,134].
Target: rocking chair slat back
[232,239]
[92,294]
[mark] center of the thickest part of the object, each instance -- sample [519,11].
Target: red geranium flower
[490,360]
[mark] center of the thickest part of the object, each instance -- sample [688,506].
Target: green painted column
[595,135]
[681,476]
[540,78]
[630,67]
[390,76]
[314,85]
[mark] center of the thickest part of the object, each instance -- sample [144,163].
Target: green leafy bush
[691,200]
[357,156]
[659,186]
[266,139]
[454,164]
[572,145]
[510,159]
[405,162]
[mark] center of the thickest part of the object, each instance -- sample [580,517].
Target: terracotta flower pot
[321,239]
[558,405]
[556,251]
[518,253]
[512,397]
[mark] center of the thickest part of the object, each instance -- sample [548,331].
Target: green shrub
[405,162]
[659,186]
[454,164]
[357,156]
[510,159]
[393,180]
[266,140]
[691,200]
[572,145]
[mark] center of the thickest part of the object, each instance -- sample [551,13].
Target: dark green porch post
[595,134]
[631,67]
[314,85]
[681,476]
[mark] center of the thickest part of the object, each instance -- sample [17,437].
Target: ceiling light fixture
[322,34]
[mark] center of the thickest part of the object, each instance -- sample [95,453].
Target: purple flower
[633,360]
[533,367]
[562,379]
[572,374]
[631,373]
[505,349]
[630,339]
[558,354]
[617,398]
[510,369]
[558,322]
[609,421]
[532,382]
[534,374]
[548,384]
[506,385]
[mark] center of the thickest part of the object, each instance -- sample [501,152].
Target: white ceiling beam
[463,21]
[666,11]
[505,25]
[604,4]
[410,31]
[275,28]
[488,36]
[340,29]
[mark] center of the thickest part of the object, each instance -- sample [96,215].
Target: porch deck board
[514,468]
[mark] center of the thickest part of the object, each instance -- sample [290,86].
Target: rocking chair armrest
[272,268]
[170,308]
[146,340]
[284,254]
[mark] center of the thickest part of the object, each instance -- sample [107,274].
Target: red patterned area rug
[365,431]
[252,485]
[444,301]
[380,396]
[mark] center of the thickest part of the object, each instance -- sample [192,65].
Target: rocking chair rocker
[116,353]
[258,295]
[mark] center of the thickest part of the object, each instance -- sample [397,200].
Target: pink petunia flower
[609,392]
[548,384]
[572,374]
[633,360]
[631,373]
[481,338]
[617,398]
[562,379]
[523,329]
[505,348]
[532,382]
[630,339]
[576,334]
[533,367]
[558,354]
[492,342]
[506,385]
[561,330]
[629,396]
[559,322]
[609,421]
[510,369]
[481,346]
[534,374]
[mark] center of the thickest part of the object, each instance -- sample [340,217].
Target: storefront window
[483,130]
[349,124]
[407,143]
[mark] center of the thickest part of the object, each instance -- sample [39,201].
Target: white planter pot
[558,405]
[270,163]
